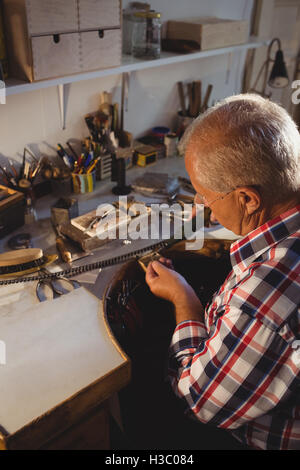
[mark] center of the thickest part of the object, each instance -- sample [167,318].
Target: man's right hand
[167,284]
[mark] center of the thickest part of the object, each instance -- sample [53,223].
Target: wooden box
[209,32]
[51,38]
[12,211]
[145,155]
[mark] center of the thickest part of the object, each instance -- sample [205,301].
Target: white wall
[33,118]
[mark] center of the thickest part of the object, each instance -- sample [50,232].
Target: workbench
[64,367]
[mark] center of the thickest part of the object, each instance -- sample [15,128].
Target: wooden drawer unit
[100,50]
[95,14]
[51,58]
[46,17]
[53,38]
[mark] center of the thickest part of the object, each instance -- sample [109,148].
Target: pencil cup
[171,141]
[183,123]
[84,183]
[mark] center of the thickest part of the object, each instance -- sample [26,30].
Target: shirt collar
[243,252]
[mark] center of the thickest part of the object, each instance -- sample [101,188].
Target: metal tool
[146,260]
[129,286]
[55,287]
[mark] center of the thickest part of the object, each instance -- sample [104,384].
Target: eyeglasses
[209,203]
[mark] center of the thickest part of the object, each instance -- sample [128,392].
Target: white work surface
[53,350]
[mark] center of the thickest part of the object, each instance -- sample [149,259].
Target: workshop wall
[33,118]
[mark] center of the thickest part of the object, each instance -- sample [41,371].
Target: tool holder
[118,174]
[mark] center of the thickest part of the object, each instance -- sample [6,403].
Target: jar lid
[147,14]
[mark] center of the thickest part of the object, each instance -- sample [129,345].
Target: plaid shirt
[239,370]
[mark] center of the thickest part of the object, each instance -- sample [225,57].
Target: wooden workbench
[62,365]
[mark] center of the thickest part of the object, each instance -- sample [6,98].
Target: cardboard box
[209,32]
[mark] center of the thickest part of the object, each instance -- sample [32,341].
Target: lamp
[278,77]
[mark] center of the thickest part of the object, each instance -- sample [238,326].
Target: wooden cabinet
[54,56]
[51,38]
[46,17]
[95,14]
[102,47]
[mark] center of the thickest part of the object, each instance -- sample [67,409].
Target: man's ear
[250,198]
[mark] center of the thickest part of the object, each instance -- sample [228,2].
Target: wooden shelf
[129,64]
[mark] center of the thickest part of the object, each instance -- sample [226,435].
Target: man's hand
[167,284]
[163,281]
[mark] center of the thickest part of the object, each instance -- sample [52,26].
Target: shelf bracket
[63,92]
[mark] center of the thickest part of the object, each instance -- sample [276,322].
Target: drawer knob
[101,33]
[56,38]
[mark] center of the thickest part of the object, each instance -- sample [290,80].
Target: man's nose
[213,218]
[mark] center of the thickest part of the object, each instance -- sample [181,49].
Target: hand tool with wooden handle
[198,97]
[206,98]
[190,95]
[60,245]
[64,253]
[181,98]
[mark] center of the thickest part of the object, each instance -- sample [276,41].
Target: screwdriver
[60,245]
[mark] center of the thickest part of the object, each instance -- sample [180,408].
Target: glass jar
[128,23]
[146,35]
[127,28]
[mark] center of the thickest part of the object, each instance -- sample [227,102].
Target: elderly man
[236,362]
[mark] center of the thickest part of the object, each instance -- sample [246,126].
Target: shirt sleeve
[234,373]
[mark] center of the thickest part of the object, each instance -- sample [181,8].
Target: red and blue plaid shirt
[239,370]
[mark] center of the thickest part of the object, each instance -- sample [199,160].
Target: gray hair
[245,140]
